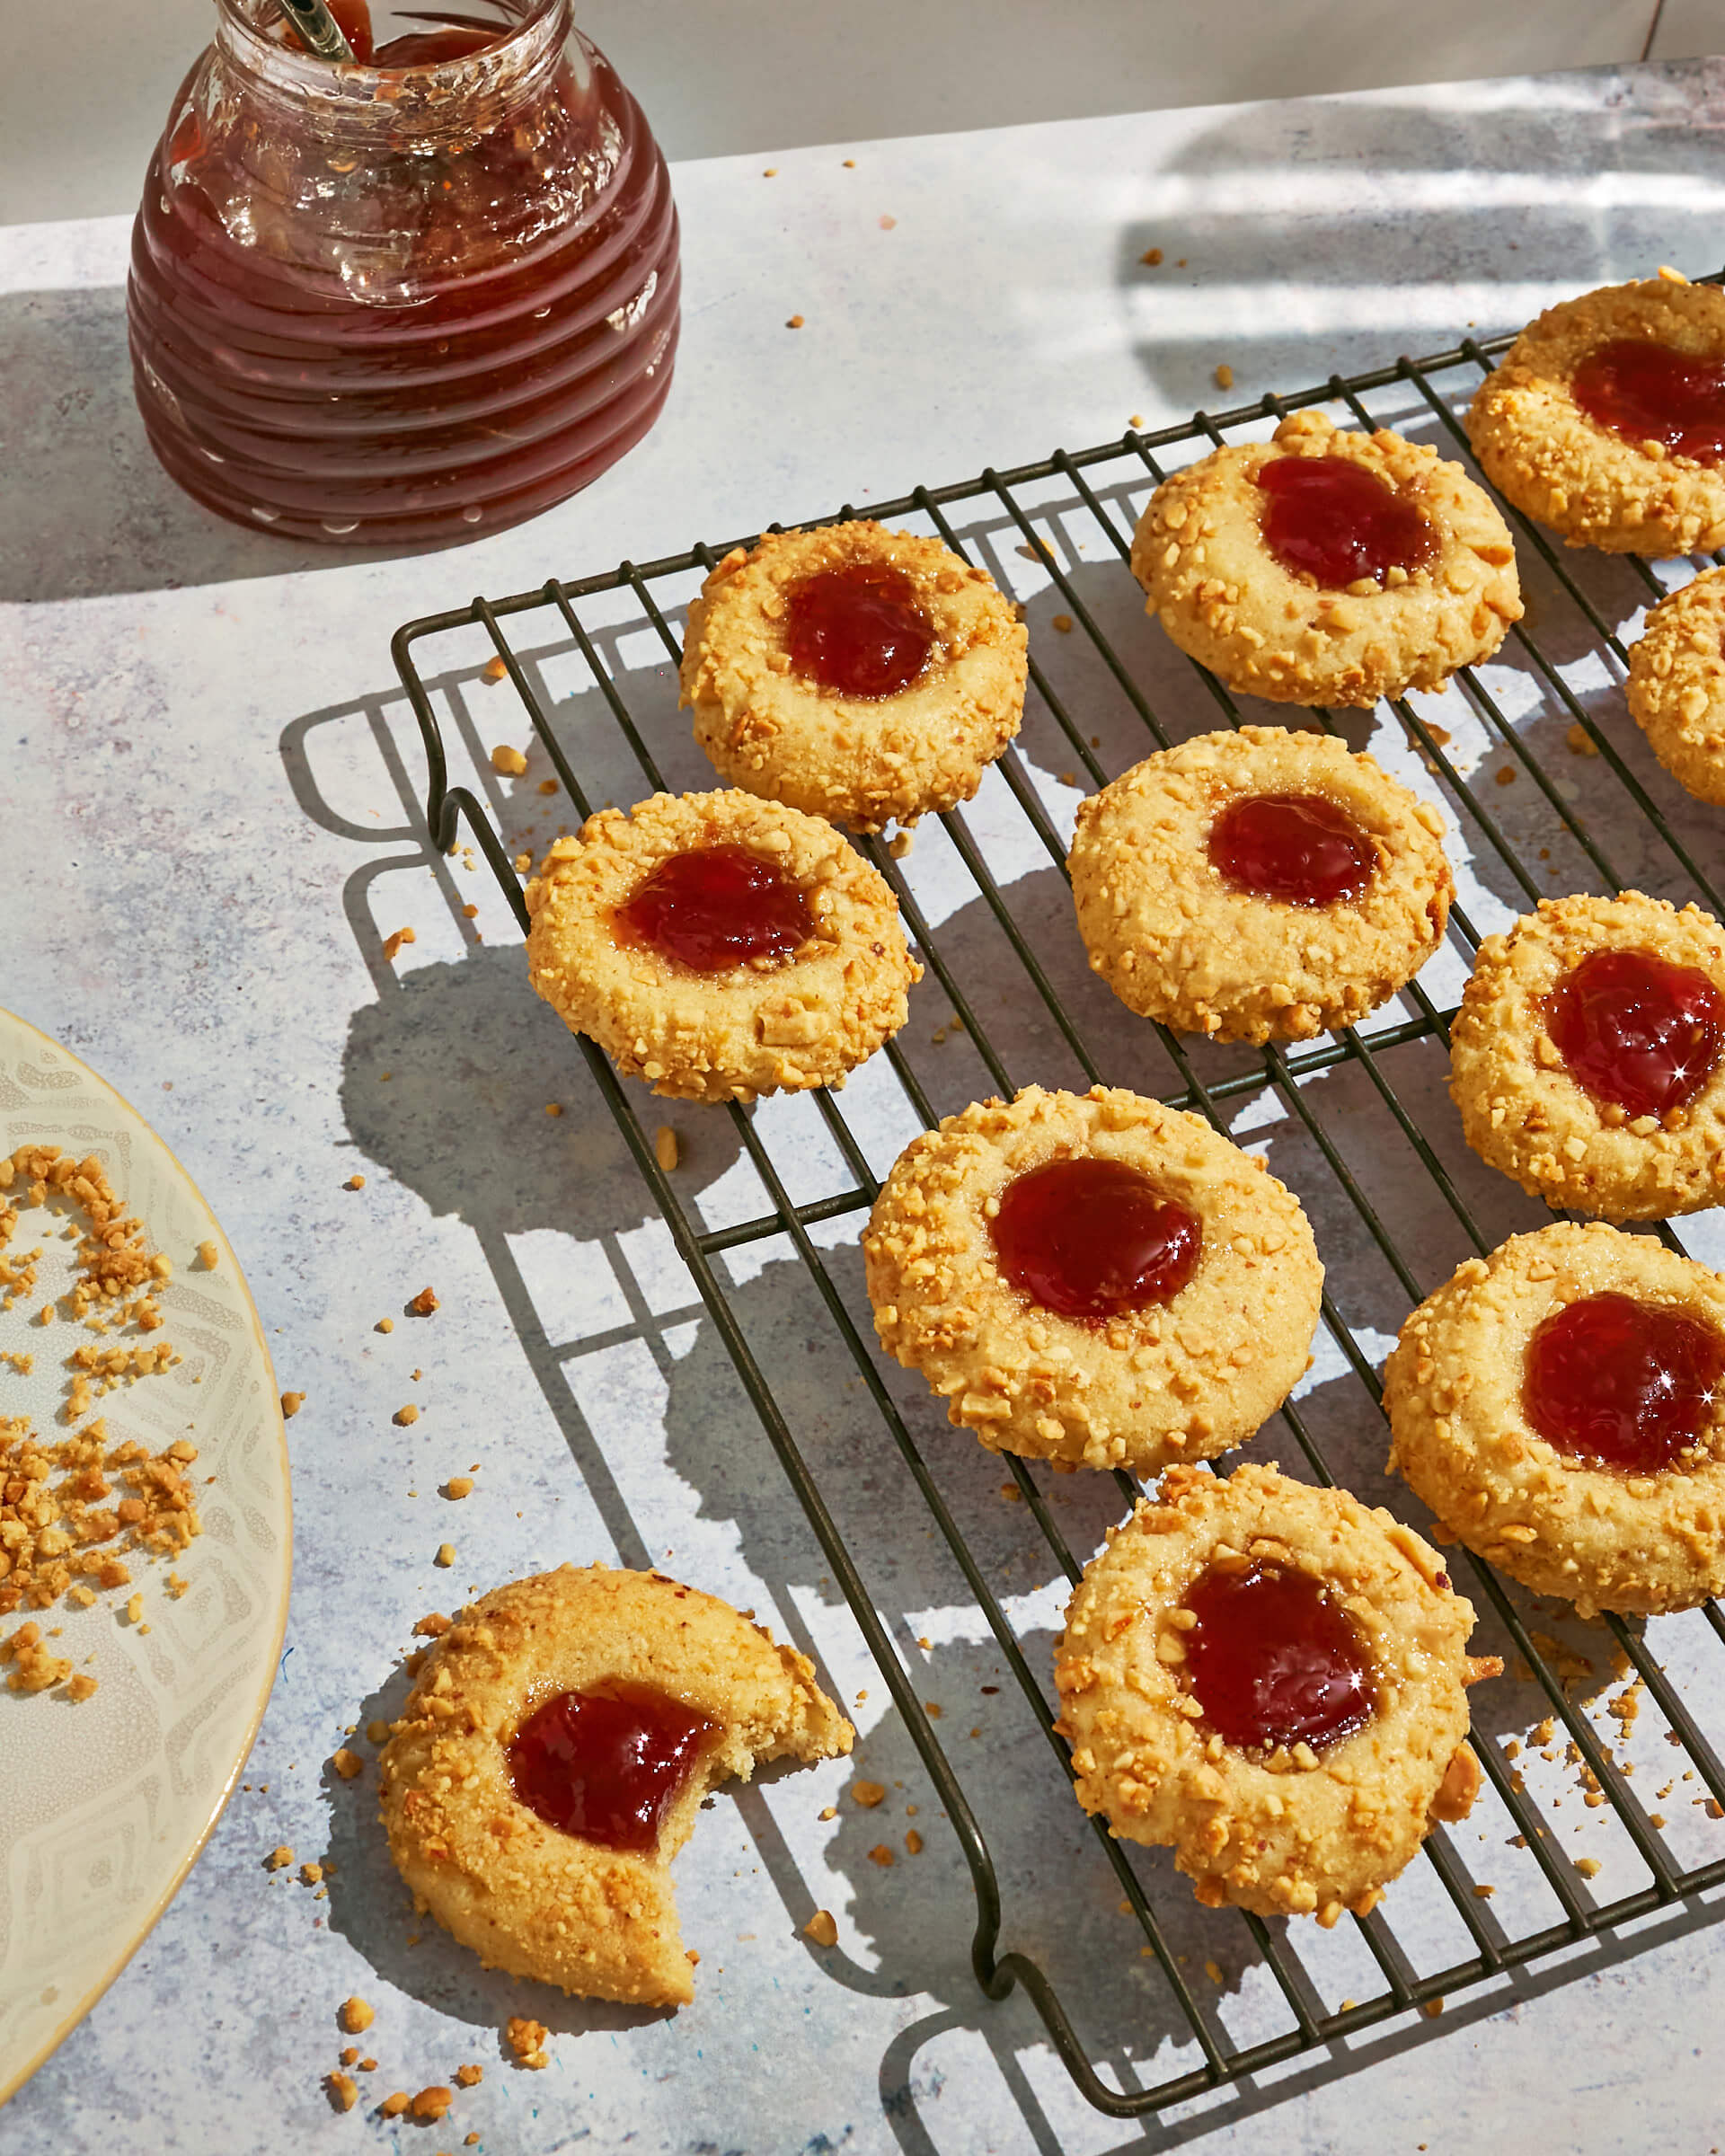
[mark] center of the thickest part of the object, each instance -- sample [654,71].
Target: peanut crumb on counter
[850,165]
[1672,277]
[1432,2008]
[1579,742]
[523,862]
[827,1811]
[311,1875]
[406,1416]
[1483,1892]
[394,2105]
[547,786]
[1152,260]
[887,224]
[882,1856]
[384,1325]
[795,322]
[446,1556]
[1505,774]
[348,1764]
[349,2054]
[771,172]
[821,1928]
[458,1487]
[1063,622]
[900,844]
[393,942]
[1225,376]
[357,2015]
[424,1303]
[914,1844]
[507,761]
[433,2103]
[355,1182]
[280,1859]
[494,670]
[377,1731]
[432,1626]
[1136,420]
[470,912]
[209,1256]
[344,2090]
[664,1147]
[1213,1970]
[82,1687]
[470,2077]
[1588,1867]
[868,1794]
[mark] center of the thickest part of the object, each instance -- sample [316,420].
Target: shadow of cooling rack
[1546,790]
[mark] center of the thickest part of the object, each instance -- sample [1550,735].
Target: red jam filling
[607,1765]
[1613,1382]
[858,630]
[412,48]
[1296,847]
[1647,392]
[1329,519]
[714,907]
[1091,1239]
[1635,1030]
[1273,1660]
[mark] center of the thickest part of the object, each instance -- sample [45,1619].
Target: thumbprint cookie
[1586,1056]
[1093,1279]
[1259,886]
[1676,688]
[1271,1680]
[1606,418]
[552,1758]
[718,946]
[1560,1407]
[853,671]
[1327,568]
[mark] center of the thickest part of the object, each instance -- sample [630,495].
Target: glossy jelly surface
[1617,1383]
[1330,519]
[1647,393]
[1091,1239]
[1273,1660]
[857,630]
[1299,847]
[715,907]
[412,303]
[1636,1031]
[607,1765]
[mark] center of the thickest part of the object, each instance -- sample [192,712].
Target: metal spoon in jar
[318,29]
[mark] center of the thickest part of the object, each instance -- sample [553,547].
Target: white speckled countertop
[203,750]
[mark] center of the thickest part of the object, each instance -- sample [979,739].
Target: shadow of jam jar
[409,301]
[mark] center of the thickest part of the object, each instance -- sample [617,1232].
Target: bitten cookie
[1327,568]
[553,1757]
[1676,688]
[1599,419]
[1558,1406]
[1093,1279]
[718,946]
[856,673]
[1259,885]
[1586,1056]
[1271,1681]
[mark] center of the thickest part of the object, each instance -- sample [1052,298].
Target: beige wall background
[87,82]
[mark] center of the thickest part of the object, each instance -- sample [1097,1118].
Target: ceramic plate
[104,1805]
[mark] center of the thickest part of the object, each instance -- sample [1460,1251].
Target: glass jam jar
[402,302]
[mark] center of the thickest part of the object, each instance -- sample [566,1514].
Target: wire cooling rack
[1547,788]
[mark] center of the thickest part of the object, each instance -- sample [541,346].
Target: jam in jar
[415,299]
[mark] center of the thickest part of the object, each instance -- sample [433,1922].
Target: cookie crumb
[1505,774]
[1671,276]
[1588,1867]
[547,786]
[494,670]
[887,224]
[470,2077]
[393,2106]
[311,1875]
[664,1147]
[822,1929]
[553,1107]
[458,1487]
[1152,260]
[446,1556]
[406,1416]
[209,1256]
[433,2103]
[393,942]
[1432,2008]
[507,761]
[528,2040]
[868,1794]
[348,1764]
[1063,622]
[357,2015]
[1225,376]
[355,1182]
[424,1303]
[279,1859]
[291,1403]
[344,2090]
[384,1325]
[913,1844]
[900,844]
[377,1731]
[795,322]
[881,1855]
[1579,742]
[82,1687]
